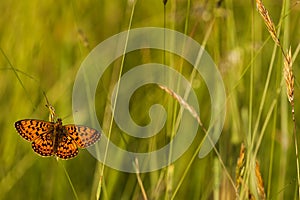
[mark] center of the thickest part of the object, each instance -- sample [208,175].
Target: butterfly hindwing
[43,145]
[66,148]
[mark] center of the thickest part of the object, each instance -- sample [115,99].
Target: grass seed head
[289,76]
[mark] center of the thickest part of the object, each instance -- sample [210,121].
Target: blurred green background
[43,44]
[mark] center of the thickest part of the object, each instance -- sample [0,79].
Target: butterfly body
[52,138]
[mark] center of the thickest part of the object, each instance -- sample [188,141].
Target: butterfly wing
[83,135]
[66,148]
[31,129]
[43,145]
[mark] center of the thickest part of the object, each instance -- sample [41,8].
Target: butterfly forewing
[31,129]
[66,148]
[43,145]
[83,135]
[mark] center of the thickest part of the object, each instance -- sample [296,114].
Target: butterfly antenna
[52,114]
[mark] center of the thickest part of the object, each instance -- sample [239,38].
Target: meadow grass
[44,43]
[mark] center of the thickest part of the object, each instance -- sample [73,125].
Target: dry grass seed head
[268,21]
[240,167]
[289,76]
[259,182]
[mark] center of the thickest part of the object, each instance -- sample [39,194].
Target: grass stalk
[192,111]
[114,103]
[140,182]
[69,180]
[288,76]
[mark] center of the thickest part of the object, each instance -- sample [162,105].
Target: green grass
[41,51]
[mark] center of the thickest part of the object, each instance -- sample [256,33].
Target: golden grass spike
[289,81]
[240,167]
[268,21]
[184,104]
[259,182]
[289,76]
[240,172]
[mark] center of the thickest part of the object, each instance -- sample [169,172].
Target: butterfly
[52,138]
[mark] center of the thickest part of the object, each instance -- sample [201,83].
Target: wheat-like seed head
[185,105]
[289,76]
[240,167]
[268,21]
[259,182]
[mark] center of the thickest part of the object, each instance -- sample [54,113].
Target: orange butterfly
[52,138]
